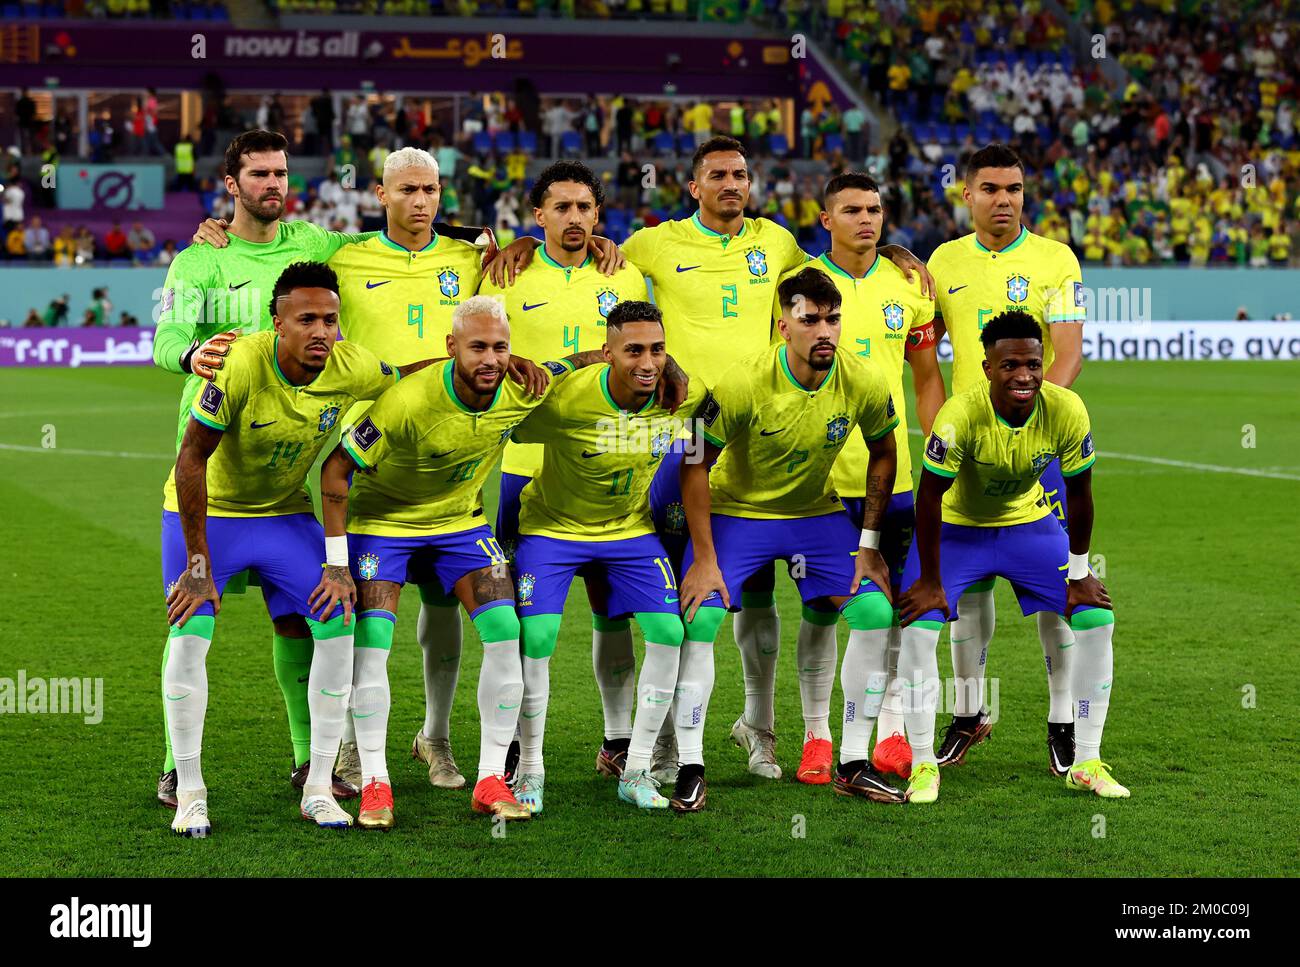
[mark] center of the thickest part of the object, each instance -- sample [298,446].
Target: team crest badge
[1041,461]
[1017,288]
[527,582]
[368,566]
[837,429]
[756,260]
[449,283]
[675,517]
[606,301]
[893,317]
[660,443]
[329,415]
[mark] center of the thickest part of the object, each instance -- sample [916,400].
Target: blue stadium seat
[1003,132]
[780,146]
[505,141]
[528,142]
[482,142]
[571,143]
[834,142]
[686,144]
[664,143]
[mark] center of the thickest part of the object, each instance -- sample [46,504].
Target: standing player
[211,295]
[981,511]
[1004,267]
[416,512]
[242,505]
[398,292]
[559,304]
[887,320]
[604,437]
[783,416]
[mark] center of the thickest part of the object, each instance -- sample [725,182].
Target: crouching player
[605,436]
[236,501]
[779,419]
[981,513]
[416,513]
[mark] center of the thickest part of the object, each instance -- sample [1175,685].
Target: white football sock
[614,663]
[329,687]
[971,634]
[1093,669]
[655,693]
[691,700]
[371,701]
[532,714]
[1058,651]
[349,730]
[438,631]
[185,687]
[862,679]
[817,654]
[758,635]
[500,693]
[891,710]
[918,667]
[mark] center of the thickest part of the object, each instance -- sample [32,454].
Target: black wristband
[187,356]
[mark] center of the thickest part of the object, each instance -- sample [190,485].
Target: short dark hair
[1014,324]
[848,179]
[813,285]
[633,310]
[250,141]
[993,156]
[719,143]
[304,275]
[574,171]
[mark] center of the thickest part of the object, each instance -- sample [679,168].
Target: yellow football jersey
[995,466]
[781,441]
[273,430]
[1033,274]
[554,311]
[594,483]
[427,454]
[398,303]
[879,312]
[715,291]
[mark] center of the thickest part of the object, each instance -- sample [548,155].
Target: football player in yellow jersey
[235,501]
[605,435]
[887,320]
[981,511]
[1001,267]
[779,419]
[398,291]
[558,304]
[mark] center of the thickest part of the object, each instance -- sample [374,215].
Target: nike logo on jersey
[535,305]
[257,426]
[590,455]
[376,285]
[233,287]
[668,600]
[686,268]
[958,289]
[435,456]
[769,432]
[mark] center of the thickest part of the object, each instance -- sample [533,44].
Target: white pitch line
[73,451]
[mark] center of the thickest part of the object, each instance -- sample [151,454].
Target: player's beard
[818,364]
[569,244]
[260,212]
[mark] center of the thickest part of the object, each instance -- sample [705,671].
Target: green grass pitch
[1202,566]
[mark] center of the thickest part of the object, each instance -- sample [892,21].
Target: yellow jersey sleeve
[642,249]
[386,424]
[727,410]
[877,417]
[946,447]
[1066,301]
[1075,449]
[217,403]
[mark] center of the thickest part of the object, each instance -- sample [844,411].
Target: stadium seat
[571,143]
[686,144]
[834,142]
[664,143]
[528,142]
[482,142]
[505,141]
[780,146]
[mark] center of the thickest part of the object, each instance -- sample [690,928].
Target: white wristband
[1078,567]
[336,551]
[870,539]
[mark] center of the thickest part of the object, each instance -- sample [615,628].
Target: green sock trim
[600,623]
[704,629]
[757,599]
[929,625]
[497,623]
[660,628]
[373,633]
[199,624]
[334,628]
[869,612]
[434,596]
[291,658]
[1091,618]
[169,762]
[823,619]
[985,585]
[539,633]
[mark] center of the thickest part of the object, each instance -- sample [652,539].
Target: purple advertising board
[89,54]
[73,348]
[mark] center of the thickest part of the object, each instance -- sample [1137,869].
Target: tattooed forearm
[591,357]
[415,367]
[335,496]
[876,501]
[192,499]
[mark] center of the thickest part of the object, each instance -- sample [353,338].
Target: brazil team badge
[1017,288]
[368,566]
[329,415]
[449,283]
[526,584]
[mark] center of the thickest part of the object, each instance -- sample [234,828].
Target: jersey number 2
[729,302]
